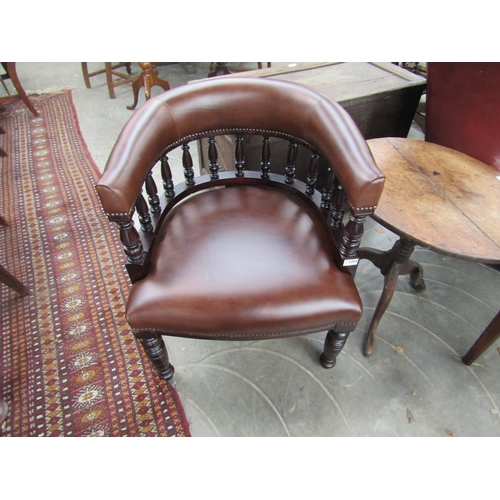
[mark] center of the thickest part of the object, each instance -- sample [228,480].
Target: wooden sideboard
[381,98]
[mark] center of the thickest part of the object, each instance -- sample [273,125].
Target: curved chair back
[243,105]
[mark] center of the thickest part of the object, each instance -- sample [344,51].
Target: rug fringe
[52,90]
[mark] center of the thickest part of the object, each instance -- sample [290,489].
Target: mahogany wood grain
[440,199]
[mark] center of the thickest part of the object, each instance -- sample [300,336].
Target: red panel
[463,108]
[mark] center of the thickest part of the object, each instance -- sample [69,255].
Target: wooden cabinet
[381,98]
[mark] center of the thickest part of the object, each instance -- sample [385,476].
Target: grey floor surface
[413,385]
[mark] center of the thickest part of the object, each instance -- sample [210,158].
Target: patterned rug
[69,365]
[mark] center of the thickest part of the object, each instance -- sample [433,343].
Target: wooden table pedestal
[439,199]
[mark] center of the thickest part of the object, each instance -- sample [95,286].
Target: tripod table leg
[392,264]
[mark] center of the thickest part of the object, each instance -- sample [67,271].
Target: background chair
[462,113]
[11,74]
[4,409]
[462,109]
[110,70]
[7,278]
[241,255]
[3,154]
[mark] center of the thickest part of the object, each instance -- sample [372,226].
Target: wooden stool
[110,71]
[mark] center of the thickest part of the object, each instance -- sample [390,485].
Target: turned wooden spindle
[187,163]
[144,215]
[326,197]
[334,343]
[240,157]
[291,163]
[166,174]
[151,189]
[157,353]
[265,165]
[312,173]
[337,214]
[351,239]
[213,157]
[131,241]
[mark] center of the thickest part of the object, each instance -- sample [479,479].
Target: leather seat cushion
[243,262]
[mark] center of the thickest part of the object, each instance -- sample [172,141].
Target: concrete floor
[277,387]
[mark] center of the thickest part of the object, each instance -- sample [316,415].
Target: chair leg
[109,79]
[11,70]
[11,282]
[85,72]
[157,353]
[4,409]
[490,335]
[334,343]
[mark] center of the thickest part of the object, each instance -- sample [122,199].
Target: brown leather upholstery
[243,262]
[242,256]
[462,108]
[233,104]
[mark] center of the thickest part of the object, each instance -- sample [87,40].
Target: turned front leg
[157,353]
[334,343]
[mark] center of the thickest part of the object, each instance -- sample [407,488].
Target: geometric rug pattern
[69,364]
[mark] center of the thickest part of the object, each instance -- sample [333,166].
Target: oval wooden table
[439,199]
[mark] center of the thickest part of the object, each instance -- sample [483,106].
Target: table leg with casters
[485,340]
[392,264]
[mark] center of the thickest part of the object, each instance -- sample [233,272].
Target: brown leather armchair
[241,255]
